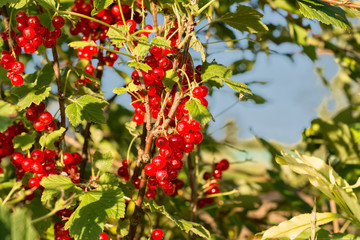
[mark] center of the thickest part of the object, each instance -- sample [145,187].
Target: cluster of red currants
[34,34]
[6,140]
[59,228]
[212,186]
[123,172]
[93,30]
[42,119]
[43,164]
[15,68]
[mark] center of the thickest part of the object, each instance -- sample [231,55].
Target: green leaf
[7,111]
[123,227]
[79,44]
[324,12]
[184,225]
[120,91]
[296,225]
[24,141]
[244,19]
[48,140]
[142,66]
[131,127]
[36,88]
[344,236]
[239,87]
[170,79]
[197,46]
[6,2]
[141,49]
[323,177]
[103,161]
[87,108]
[49,4]
[160,42]
[38,210]
[16,225]
[117,38]
[99,5]
[89,218]
[54,184]
[214,73]
[131,87]
[198,111]
[80,71]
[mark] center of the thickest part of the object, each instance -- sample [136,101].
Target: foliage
[108,191]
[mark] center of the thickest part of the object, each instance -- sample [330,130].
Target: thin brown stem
[154,16]
[134,221]
[5,19]
[342,3]
[142,88]
[336,227]
[61,96]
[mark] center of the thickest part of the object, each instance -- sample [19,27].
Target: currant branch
[61,95]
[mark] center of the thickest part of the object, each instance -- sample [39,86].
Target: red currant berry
[157,234]
[29,33]
[150,194]
[195,126]
[223,164]
[33,182]
[18,68]
[103,236]
[39,126]
[33,21]
[131,24]
[159,162]
[32,115]
[206,176]
[77,158]
[176,141]
[90,69]
[48,154]
[123,172]
[182,127]
[50,127]
[45,118]
[150,169]
[58,22]
[165,152]
[36,167]
[161,174]
[68,158]
[7,61]
[115,10]
[26,164]
[217,174]
[29,48]
[17,80]
[136,183]
[21,16]
[37,155]
[198,137]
